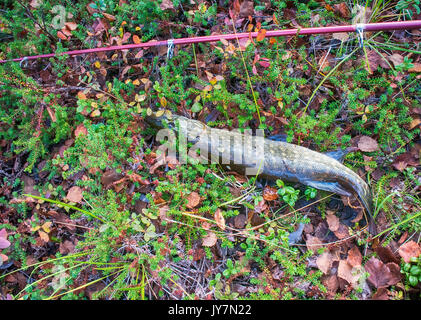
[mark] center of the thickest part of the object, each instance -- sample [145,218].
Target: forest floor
[88,210]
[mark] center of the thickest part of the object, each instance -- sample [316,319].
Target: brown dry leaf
[80,129]
[409,250]
[381,275]
[313,243]
[381,294]
[270,193]
[240,221]
[354,257]
[375,60]
[166,4]
[52,114]
[44,236]
[246,9]
[416,121]
[331,283]
[333,222]
[163,212]
[74,194]
[209,240]
[324,262]
[396,59]
[386,254]
[342,9]
[349,273]
[71,25]
[342,36]
[193,199]
[367,144]
[66,247]
[415,68]
[342,232]
[219,218]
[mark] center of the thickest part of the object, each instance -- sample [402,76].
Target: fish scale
[281,160]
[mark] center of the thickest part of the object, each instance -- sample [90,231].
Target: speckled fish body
[271,159]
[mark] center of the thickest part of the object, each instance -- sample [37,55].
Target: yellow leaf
[94,105]
[35,228]
[97,64]
[136,82]
[95,113]
[46,226]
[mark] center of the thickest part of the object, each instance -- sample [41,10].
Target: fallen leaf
[380,275]
[270,193]
[324,262]
[246,9]
[415,68]
[81,129]
[386,254]
[74,194]
[367,144]
[166,4]
[396,59]
[219,218]
[354,257]
[342,9]
[240,221]
[71,25]
[351,274]
[66,247]
[333,222]
[44,236]
[210,240]
[193,199]
[4,243]
[313,243]
[261,35]
[342,36]
[381,294]
[331,283]
[136,39]
[409,250]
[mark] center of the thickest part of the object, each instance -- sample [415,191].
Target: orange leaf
[163,102]
[136,39]
[61,35]
[261,35]
[81,95]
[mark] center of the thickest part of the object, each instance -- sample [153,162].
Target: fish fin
[278,137]
[339,155]
[328,186]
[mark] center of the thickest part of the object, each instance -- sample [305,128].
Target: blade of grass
[66,205]
[327,77]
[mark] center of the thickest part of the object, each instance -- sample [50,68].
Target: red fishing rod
[381,26]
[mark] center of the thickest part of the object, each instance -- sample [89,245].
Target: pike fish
[272,159]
